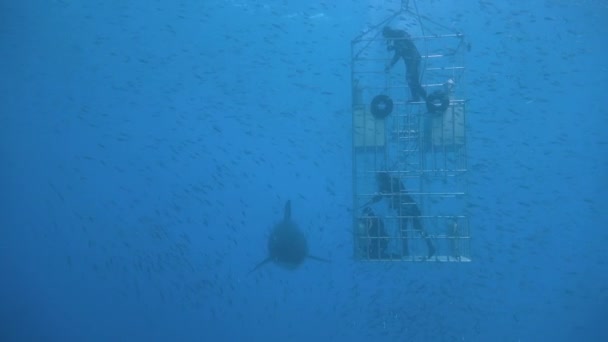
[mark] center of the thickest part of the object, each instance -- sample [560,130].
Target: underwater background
[148,147]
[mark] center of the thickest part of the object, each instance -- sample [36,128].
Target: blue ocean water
[148,147]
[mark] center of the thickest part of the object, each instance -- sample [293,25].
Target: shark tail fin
[262,263]
[318,259]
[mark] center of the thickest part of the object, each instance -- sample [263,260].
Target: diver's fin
[264,262]
[287,211]
[318,259]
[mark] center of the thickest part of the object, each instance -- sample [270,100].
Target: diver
[404,205]
[439,129]
[401,43]
[373,235]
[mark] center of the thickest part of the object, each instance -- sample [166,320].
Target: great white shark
[287,245]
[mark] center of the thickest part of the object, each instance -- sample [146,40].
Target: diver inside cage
[404,206]
[373,239]
[444,122]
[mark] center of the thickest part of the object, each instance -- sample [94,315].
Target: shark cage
[409,145]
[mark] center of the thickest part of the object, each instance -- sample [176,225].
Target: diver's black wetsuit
[405,206]
[378,239]
[399,41]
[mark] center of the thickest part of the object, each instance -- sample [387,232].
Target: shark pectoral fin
[265,261]
[318,259]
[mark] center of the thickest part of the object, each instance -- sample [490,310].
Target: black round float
[437,102]
[381,106]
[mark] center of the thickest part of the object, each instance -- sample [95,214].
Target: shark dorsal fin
[287,215]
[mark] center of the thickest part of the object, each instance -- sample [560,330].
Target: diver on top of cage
[392,188]
[401,43]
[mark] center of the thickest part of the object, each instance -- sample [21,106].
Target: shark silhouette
[287,246]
